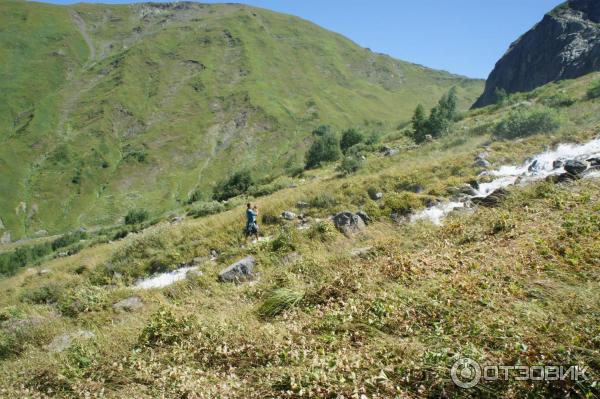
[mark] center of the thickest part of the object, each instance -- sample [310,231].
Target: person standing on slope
[251,221]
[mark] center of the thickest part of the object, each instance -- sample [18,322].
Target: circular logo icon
[465,373]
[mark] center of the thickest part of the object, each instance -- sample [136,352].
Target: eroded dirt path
[82,26]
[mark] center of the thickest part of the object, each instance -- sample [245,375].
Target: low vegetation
[527,121]
[136,216]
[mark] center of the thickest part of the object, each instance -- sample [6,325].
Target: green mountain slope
[103,108]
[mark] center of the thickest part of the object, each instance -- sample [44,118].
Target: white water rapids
[533,169]
[163,279]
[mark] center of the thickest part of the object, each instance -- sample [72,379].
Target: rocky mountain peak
[565,44]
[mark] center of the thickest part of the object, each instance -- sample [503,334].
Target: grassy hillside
[512,284]
[105,108]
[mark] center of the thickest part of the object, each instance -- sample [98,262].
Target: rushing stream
[539,167]
[163,279]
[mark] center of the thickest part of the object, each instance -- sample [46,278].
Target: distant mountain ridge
[108,107]
[565,44]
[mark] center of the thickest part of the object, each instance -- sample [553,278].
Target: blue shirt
[250,216]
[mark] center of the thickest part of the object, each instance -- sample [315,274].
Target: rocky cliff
[564,45]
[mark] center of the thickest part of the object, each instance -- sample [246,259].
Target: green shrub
[323,201]
[196,195]
[325,148]
[11,261]
[525,122]
[440,117]
[82,299]
[235,185]
[206,208]
[15,341]
[269,218]
[500,96]
[323,231]
[44,294]
[594,90]
[558,100]
[294,170]
[286,240]
[267,189]
[361,149]
[78,359]
[350,137]
[279,301]
[136,216]
[350,165]
[164,329]
[402,203]
[131,153]
[68,239]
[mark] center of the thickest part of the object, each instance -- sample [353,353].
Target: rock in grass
[482,163]
[575,167]
[5,238]
[390,152]
[348,223]
[291,258]
[129,304]
[288,215]
[491,200]
[360,252]
[375,195]
[365,218]
[16,325]
[240,271]
[62,342]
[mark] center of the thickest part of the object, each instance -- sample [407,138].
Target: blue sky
[460,36]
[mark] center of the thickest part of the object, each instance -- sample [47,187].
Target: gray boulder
[15,325]
[375,195]
[365,218]
[129,304]
[388,151]
[5,239]
[592,161]
[291,258]
[348,223]
[482,163]
[463,189]
[240,271]
[62,342]
[361,252]
[557,163]
[575,167]
[491,200]
[287,215]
